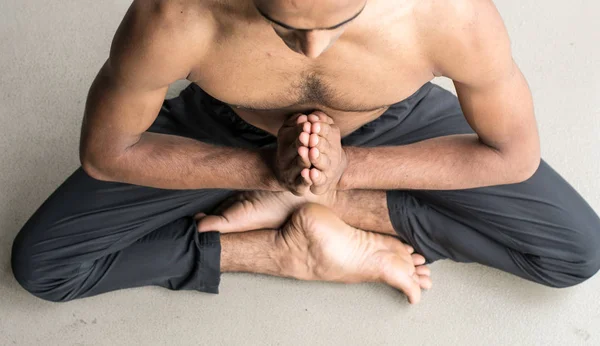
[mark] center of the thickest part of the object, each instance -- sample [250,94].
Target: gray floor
[50,52]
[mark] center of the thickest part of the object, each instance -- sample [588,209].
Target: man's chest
[262,73]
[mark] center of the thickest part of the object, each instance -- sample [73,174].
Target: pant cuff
[396,206]
[209,272]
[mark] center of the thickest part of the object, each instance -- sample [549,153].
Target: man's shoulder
[454,16]
[178,27]
[456,30]
[166,37]
[168,17]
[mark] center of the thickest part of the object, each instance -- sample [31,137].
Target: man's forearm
[173,162]
[443,163]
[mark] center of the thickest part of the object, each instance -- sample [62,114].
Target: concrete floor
[50,52]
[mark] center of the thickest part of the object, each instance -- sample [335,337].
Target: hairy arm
[153,47]
[473,49]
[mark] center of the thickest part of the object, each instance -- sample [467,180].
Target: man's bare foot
[251,210]
[317,245]
[254,210]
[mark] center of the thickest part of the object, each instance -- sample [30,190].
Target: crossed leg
[92,237]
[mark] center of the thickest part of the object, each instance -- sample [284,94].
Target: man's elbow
[93,171]
[96,166]
[524,167]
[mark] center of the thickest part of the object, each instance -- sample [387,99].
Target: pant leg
[541,229]
[93,236]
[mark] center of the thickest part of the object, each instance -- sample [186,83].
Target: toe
[418,259]
[423,270]
[425,282]
[400,276]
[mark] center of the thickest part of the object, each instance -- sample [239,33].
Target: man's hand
[326,155]
[292,166]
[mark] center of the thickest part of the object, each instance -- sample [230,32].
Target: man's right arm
[150,52]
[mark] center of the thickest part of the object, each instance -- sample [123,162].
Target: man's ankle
[364,209]
[251,252]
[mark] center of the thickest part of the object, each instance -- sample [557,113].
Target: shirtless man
[354,166]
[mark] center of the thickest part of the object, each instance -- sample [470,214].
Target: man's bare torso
[378,61]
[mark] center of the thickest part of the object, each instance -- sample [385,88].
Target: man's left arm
[496,102]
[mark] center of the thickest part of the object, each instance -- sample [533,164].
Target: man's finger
[321,128]
[319,160]
[298,136]
[303,153]
[305,174]
[303,139]
[302,183]
[319,180]
[320,116]
[293,172]
[290,141]
[298,130]
[317,177]
[323,145]
[313,118]
[295,119]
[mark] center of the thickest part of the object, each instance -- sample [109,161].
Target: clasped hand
[309,163]
[309,155]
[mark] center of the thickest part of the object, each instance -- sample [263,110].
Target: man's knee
[49,280]
[583,261]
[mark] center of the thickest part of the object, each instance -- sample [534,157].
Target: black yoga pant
[91,236]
